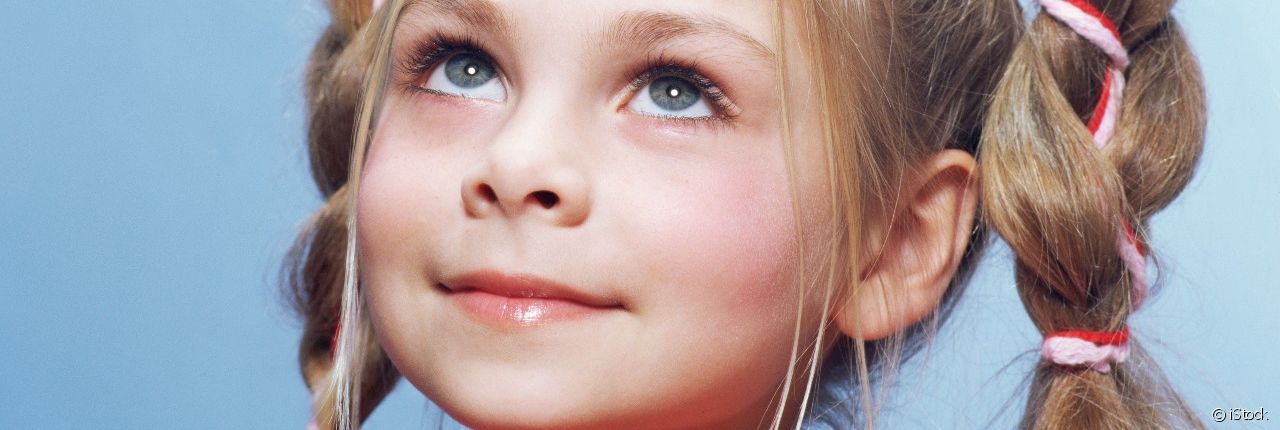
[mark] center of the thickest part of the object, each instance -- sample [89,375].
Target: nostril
[488,193]
[546,198]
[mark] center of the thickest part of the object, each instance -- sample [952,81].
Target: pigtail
[315,268]
[335,72]
[1073,202]
[315,276]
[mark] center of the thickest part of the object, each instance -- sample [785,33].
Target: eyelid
[726,108]
[430,51]
[426,53]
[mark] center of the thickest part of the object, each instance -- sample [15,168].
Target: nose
[527,178]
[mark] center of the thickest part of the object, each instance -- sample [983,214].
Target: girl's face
[578,213]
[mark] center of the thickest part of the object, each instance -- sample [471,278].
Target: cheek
[735,235]
[711,219]
[393,197]
[409,201]
[719,242]
[410,193]
[718,247]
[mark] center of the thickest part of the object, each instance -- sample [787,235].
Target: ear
[912,265]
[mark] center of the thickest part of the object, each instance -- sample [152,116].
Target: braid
[315,268]
[1070,183]
[334,74]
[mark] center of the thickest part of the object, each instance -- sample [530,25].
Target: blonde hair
[931,75]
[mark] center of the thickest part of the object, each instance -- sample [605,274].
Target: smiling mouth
[522,300]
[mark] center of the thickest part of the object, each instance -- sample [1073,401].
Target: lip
[522,300]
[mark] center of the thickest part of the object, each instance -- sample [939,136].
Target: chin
[530,413]
[498,400]
[498,419]
[566,406]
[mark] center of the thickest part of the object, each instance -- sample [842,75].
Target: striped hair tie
[1096,350]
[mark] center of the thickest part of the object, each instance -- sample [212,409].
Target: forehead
[617,22]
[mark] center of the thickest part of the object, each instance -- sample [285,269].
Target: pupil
[468,70]
[673,94]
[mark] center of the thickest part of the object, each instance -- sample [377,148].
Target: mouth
[523,300]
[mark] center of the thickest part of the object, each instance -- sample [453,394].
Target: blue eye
[467,75]
[671,96]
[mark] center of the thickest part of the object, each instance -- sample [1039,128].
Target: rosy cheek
[411,180]
[715,243]
[707,215]
[724,237]
[749,227]
[385,212]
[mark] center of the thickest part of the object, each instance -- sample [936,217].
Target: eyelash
[427,54]
[663,65]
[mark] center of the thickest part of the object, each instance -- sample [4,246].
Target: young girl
[704,214]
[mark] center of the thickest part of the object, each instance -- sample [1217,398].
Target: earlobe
[910,266]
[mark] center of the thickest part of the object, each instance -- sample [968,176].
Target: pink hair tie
[376,3]
[1096,350]
[1094,26]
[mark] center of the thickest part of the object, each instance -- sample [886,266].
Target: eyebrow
[482,15]
[650,29]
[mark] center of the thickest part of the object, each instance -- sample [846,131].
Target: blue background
[153,174]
